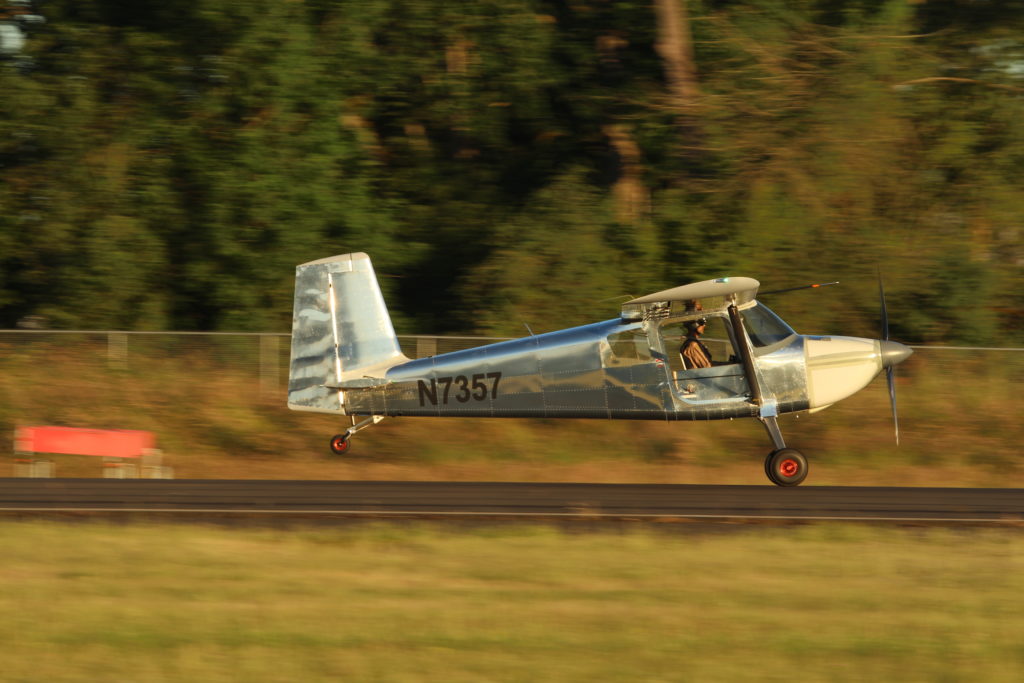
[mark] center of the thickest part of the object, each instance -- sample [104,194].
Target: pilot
[693,352]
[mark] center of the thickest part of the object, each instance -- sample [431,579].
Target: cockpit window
[629,347]
[714,338]
[764,327]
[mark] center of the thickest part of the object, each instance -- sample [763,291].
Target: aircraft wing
[744,287]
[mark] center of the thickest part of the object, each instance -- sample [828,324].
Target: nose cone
[894,353]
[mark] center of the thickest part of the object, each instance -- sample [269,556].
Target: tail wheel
[786,467]
[340,443]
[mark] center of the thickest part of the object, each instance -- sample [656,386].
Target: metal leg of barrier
[30,468]
[158,472]
[43,469]
[34,469]
[153,467]
[116,468]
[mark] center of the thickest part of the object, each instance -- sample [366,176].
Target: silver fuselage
[578,373]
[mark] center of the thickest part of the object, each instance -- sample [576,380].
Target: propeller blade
[890,374]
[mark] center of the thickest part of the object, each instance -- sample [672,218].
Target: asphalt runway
[214,499]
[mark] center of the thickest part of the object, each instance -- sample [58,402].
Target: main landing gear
[784,466]
[340,443]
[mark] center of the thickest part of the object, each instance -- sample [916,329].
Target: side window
[629,347]
[716,338]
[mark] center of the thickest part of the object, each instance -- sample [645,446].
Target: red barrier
[111,443]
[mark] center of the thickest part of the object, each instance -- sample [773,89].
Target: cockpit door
[722,380]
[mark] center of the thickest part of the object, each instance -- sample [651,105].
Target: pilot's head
[696,326]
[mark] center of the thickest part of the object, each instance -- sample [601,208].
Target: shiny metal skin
[893,353]
[612,369]
[342,335]
[346,360]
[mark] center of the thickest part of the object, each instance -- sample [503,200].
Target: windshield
[764,327]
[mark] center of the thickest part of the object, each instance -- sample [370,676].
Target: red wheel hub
[789,467]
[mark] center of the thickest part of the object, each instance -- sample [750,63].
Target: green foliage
[555,264]
[167,164]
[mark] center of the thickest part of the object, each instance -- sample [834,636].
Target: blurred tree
[167,164]
[551,266]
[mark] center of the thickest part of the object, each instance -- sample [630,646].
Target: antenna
[793,289]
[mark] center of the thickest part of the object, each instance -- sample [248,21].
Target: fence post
[426,346]
[117,350]
[269,362]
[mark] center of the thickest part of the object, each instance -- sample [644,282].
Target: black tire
[786,467]
[340,443]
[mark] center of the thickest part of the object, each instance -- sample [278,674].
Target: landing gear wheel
[340,443]
[786,467]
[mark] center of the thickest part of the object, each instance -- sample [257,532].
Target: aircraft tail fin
[341,331]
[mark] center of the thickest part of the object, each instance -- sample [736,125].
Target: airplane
[346,360]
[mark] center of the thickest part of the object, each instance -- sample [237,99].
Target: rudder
[341,332]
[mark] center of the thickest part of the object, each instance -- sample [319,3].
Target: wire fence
[263,355]
[266,355]
[955,402]
[939,379]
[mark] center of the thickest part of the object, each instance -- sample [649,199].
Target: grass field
[94,602]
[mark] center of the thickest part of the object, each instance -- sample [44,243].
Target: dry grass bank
[959,423]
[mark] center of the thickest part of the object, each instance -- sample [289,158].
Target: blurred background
[165,165]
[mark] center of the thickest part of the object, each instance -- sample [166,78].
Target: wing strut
[745,356]
[766,408]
